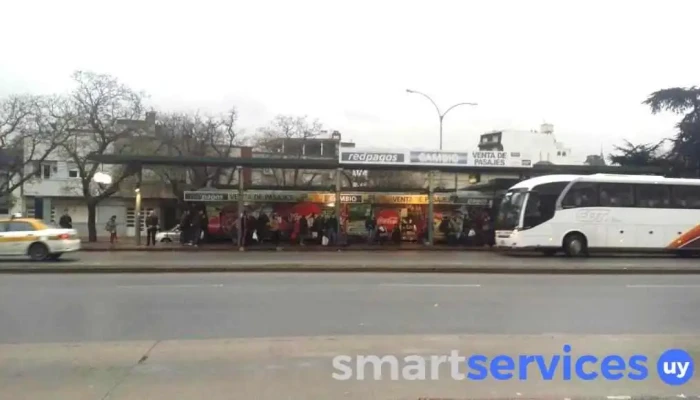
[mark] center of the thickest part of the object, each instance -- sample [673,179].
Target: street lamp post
[441,115]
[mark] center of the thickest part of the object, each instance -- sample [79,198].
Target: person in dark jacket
[66,222]
[317,228]
[185,225]
[151,228]
[303,229]
[251,225]
[263,223]
[243,229]
[197,219]
[371,227]
[332,229]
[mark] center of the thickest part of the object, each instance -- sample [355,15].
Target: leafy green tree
[638,155]
[684,155]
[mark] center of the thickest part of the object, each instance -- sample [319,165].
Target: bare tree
[106,117]
[274,139]
[357,178]
[194,135]
[31,128]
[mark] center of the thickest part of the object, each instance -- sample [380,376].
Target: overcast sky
[583,66]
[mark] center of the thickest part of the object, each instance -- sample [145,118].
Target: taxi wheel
[166,240]
[55,256]
[38,252]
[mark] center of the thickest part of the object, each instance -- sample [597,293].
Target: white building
[56,188]
[541,145]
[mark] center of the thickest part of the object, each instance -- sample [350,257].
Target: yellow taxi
[32,237]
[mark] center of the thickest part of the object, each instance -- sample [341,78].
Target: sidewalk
[130,245]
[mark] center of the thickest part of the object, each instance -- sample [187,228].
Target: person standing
[275,230]
[111,227]
[151,228]
[243,229]
[65,222]
[370,226]
[185,227]
[332,229]
[303,229]
[456,227]
[197,218]
[251,228]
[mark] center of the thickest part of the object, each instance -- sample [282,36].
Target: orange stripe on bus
[685,238]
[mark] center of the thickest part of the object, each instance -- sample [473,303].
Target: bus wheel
[575,245]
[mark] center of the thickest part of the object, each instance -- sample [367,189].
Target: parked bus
[575,214]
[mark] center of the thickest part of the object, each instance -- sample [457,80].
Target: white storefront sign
[481,159]
[499,159]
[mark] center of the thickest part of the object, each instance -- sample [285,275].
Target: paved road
[359,259]
[55,308]
[268,336]
[302,368]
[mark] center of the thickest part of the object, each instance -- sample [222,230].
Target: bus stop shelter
[353,159]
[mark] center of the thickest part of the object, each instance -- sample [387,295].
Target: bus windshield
[509,211]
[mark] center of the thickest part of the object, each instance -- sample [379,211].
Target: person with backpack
[111,227]
[303,230]
[66,222]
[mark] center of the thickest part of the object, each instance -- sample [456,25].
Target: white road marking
[662,286]
[619,397]
[170,286]
[427,285]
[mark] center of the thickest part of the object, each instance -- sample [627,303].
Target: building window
[484,139]
[45,171]
[558,153]
[73,173]
[563,154]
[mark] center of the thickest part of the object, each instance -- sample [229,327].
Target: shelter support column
[240,207]
[137,207]
[338,204]
[429,225]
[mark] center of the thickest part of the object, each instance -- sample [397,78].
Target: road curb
[87,269]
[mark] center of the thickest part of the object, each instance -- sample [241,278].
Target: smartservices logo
[674,367]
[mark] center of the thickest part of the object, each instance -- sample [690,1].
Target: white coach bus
[578,213]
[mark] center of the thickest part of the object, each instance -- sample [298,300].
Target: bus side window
[581,194]
[616,195]
[685,196]
[653,196]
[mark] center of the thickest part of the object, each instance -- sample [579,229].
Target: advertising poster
[355,219]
